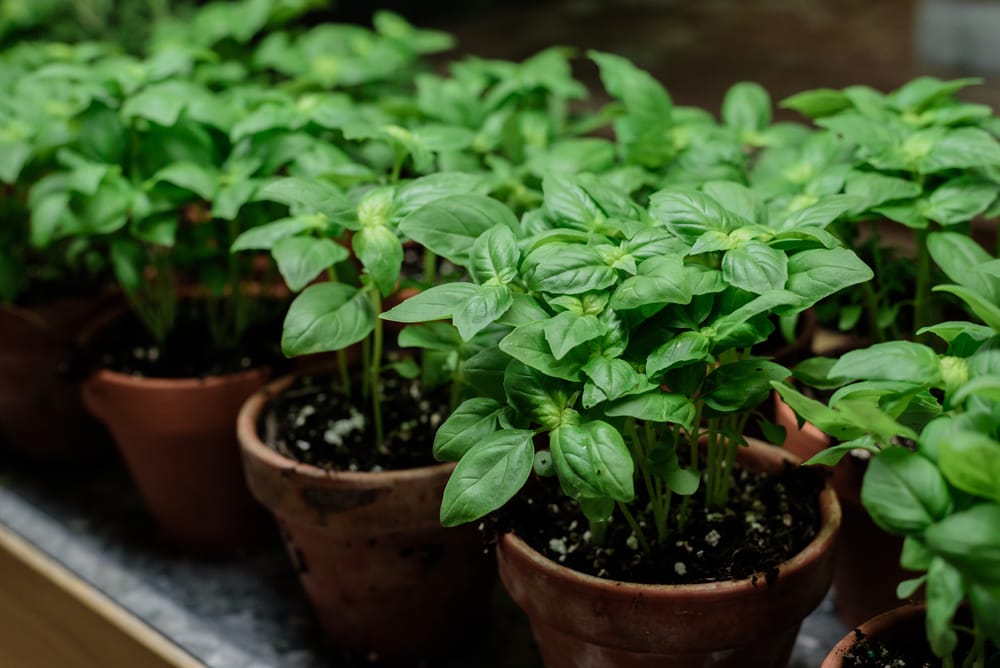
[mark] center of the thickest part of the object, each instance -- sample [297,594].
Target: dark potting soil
[870,653]
[769,518]
[315,423]
[127,347]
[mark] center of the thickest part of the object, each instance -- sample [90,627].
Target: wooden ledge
[50,618]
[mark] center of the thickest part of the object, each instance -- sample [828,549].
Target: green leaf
[264,237]
[567,330]
[956,254]
[969,541]
[656,406]
[527,344]
[610,379]
[495,257]
[895,360]
[817,274]
[430,336]
[534,395]
[128,261]
[944,594]
[685,348]
[450,226]
[755,267]
[874,189]
[436,303]
[200,180]
[308,195]
[987,311]
[161,103]
[484,373]
[326,317]
[961,148]
[832,456]
[923,92]
[971,462]
[741,385]
[986,611]
[568,202]
[592,461]
[904,492]
[488,476]
[302,259]
[566,269]
[381,253]
[472,422]
[747,107]
[960,200]
[482,308]
[825,419]
[915,556]
[660,280]
[689,214]
[817,103]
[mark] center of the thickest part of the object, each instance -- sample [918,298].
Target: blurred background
[698,48]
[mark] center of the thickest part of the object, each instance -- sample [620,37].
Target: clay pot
[905,623]
[384,577]
[581,621]
[41,415]
[178,440]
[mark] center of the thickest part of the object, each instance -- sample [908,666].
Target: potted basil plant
[626,380]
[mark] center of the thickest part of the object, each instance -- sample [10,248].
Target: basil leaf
[904,493]
[488,476]
[381,253]
[610,379]
[817,274]
[895,360]
[755,267]
[689,214]
[495,256]
[968,539]
[529,345]
[747,107]
[741,385]
[326,317]
[592,460]
[450,226]
[264,237]
[302,259]
[481,309]
[568,330]
[684,348]
[472,422]
[944,594]
[436,303]
[566,269]
[971,462]
[656,406]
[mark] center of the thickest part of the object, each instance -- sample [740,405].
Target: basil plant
[626,369]
[919,157]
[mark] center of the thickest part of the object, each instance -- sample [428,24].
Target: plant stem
[375,367]
[871,307]
[634,526]
[345,377]
[921,304]
[430,267]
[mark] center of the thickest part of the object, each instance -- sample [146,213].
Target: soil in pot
[361,523]
[770,517]
[315,423]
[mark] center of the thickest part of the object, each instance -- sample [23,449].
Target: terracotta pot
[581,621]
[905,623]
[178,439]
[41,415]
[384,578]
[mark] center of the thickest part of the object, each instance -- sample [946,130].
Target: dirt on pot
[315,423]
[768,519]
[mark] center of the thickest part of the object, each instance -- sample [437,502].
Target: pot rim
[253,445]
[823,541]
[118,378]
[873,628]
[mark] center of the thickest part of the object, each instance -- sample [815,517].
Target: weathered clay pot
[581,621]
[384,577]
[905,623]
[41,415]
[867,567]
[178,439]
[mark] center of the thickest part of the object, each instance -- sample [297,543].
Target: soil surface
[126,346]
[867,653]
[769,519]
[315,423]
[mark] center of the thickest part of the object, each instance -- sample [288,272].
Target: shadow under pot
[582,621]
[41,414]
[384,578]
[178,439]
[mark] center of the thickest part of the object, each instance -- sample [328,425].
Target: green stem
[871,308]
[921,304]
[345,376]
[634,526]
[430,267]
[375,368]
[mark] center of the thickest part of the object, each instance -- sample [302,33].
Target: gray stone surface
[242,613]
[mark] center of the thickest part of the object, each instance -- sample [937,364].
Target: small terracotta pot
[177,437]
[581,621]
[41,415]
[906,623]
[384,577]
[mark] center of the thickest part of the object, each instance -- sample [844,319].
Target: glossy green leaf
[656,406]
[326,317]
[450,226]
[472,422]
[904,492]
[437,303]
[481,308]
[302,259]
